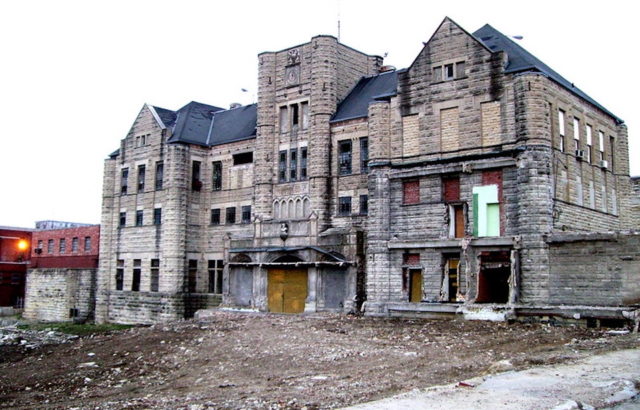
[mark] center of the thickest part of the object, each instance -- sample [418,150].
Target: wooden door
[287,290]
[459,221]
[415,285]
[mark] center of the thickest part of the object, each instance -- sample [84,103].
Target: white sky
[74,74]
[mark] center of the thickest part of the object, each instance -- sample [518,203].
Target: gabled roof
[368,89]
[167,117]
[520,60]
[207,125]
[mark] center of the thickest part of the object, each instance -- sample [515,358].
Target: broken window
[120,274]
[364,204]
[293,164]
[196,183]
[344,206]
[410,192]
[364,155]
[159,175]
[303,163]
[282,167]
[231,215]
[192,274]
[123,219]
[154,283]
[139,217]
[246,214]
[124,180]
[243,158]
[157,216]
[217,176]
[215,216]
[216,268]
[344,157]
[137,271]
[141,175]
[449,74]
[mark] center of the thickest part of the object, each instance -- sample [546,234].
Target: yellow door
[286,290]
[415,286]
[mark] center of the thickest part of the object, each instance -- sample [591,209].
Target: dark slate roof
[368,89]
[168,117]
[520,60]
[203,124]
[114,154]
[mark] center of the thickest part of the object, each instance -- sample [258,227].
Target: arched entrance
[287,286]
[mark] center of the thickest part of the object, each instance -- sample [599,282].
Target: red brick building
[14,259]
[75,247]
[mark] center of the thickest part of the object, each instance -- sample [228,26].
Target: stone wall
[594,269]
[60,295]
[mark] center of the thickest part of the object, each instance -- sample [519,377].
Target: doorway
[415,285]
[287,290]
[493,277]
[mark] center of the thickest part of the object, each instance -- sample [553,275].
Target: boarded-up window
[410,142]
[437,74]
[411,192]
[305,115]
[579,197]
[460,69]
[451,189]
[490,123]
[412,259]
[486,211]
[283,120]
[449,126]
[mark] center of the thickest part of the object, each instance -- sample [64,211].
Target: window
[231,215]
[448,72]
[243,158]
[411,192]
[294,117]
[486,210]
[364,155]
[561,130]
[40,245]
[124,180]
[216,268]
[123,219]
[154,283]
[74,245]
[192,275]
[576,133]
[344,206]
[344,157]
[159,175]
[293,164]
[437,74]
[282,167]
[456,221]
[579,194]
[120,274]
[589,143]
[612,147]
[600,145]
[460,69]
[451,189]
[196,184]
[246,214]
[141,172]
[283,120]
[303,163]
[215,216]
[217,176]
[364,204]
[87,243]
[139,217]
[63,245]
[157,216]
[50,246]
[137,270]
[305,115]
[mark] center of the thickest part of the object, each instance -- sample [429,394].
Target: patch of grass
[75,328]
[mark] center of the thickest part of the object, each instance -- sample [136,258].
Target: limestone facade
[439,184]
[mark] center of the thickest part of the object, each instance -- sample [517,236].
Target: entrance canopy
[288,256]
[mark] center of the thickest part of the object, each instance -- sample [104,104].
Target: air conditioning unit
[579,154]
[604,164]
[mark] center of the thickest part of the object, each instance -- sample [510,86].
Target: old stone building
[465,179]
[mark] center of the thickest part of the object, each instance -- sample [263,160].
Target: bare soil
[239,360]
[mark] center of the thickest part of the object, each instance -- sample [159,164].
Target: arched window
[306,206]
[299,208]
[276,209]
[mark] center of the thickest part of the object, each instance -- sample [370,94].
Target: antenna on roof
[338,2]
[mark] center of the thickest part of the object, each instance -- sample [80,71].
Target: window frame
[344,206]
[345,157]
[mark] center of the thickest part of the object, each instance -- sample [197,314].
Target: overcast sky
[74,74]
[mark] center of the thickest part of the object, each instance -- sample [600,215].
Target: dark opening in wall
[243,158]
[493,277]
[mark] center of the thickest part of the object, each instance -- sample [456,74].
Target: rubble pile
[32,339]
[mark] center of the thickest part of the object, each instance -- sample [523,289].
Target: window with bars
[344,157]
[74,245]
[282,166]
[123,219]
[120,274]
[364,155]
[246,214]
[124,180]
[50,245]
[141,177]
[157,216]
[217,176]
[303,163]
[87,243]
[231,215]
[192,274]
[344,205]
[215,216]
[139,217]
[364,204]
[63,245]
[293,164]
[159,175]
[154,278]
[196,183]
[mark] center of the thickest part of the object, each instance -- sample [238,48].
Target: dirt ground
[240,360]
